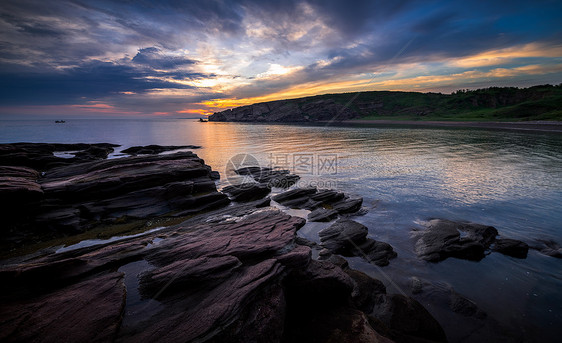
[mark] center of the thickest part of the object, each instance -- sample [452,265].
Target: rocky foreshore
[234,274]
[233,270]
[45,196]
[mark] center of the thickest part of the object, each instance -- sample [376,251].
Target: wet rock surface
[85,311]
[442,239]
[461,317]
[236,279]
[548,248]
[40,156]
[349,238]
[156,149]
[404,319]
[269,177]
[18,186]
[325,204]
[511,247]
[247,191]
[464,240]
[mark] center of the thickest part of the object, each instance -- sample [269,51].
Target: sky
[192,58]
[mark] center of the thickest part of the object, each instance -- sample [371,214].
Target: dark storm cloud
[31,28]
[153,57]
[92,81]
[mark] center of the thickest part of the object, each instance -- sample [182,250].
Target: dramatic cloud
[177,58]
[153,57]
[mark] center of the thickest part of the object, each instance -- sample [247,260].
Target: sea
[509,179]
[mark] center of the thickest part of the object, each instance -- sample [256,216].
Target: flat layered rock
[20,190]
[21,172]
[83,193]
[349,238]
[87,311]
[325,204]
[322,215]
[293,194]
[41,156]
[348,205]
[236,274]
[247,191]
[343,236]
[135,187]
[156,149]
[271,177]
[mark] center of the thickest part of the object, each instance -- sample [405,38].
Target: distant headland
[537,103]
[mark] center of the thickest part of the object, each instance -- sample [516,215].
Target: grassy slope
[491,104]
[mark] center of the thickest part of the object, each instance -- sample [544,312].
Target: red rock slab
[88,311]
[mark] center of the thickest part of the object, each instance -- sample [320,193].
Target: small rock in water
[416,285]
[270,177]
[511,247]
[349,238]
[156,149]
[548,248]
[442,239]
[247,191]
[406,319]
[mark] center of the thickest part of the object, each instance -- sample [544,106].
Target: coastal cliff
[495,103]
[295,110]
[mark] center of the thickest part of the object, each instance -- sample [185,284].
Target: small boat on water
[60,121]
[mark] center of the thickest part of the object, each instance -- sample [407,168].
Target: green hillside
[496,103]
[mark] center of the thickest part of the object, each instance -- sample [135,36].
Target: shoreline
[543,126]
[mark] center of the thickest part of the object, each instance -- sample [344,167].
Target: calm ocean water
[511,180]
